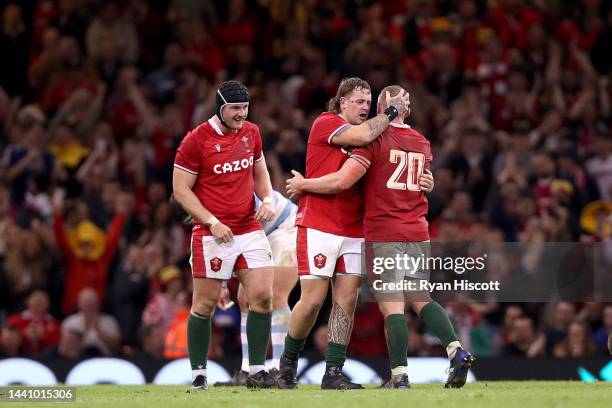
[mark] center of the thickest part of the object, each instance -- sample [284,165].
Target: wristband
[212,221]
[268,199]
[391,113]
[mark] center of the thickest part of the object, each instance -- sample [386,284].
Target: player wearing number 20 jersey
[395,206]
[395,225]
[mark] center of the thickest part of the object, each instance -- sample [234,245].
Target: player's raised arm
[182,185]
[361,135]
[331,183]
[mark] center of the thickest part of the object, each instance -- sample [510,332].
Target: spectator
[175,343]
[70,346]
[522,339]
[39,330]
[29,159]
[163,306]
[164,80]
[10,342]
[87,251]
[512,313]
[28,263]
[600,166]
[131,290]
[578,342]
[75,72]
[14,42]
[101,333]
[601,335]
[152,341]
[113,28]
[562,318]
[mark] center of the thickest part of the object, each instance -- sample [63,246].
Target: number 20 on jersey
[415,162]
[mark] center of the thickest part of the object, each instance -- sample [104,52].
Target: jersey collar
[215,126]
[397,125]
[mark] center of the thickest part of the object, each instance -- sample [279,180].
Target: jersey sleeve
[257,149]
[326,127]
[188,155]
[428,157]
[364,154]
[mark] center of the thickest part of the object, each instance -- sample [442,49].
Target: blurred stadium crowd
[95,96]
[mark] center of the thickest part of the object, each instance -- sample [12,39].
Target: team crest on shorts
[215,264]
[319,260]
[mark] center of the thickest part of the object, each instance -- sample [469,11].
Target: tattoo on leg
[377,125]
[340,325]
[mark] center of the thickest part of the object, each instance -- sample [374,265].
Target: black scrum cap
[230,92]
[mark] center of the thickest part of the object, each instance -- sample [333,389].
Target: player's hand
[426,181]
[224,299]
[294,184]
[222,232]
[265,212]
[401,101]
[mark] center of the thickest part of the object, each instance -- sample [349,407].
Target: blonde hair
[347,86]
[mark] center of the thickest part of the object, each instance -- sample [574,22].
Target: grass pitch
[480,394]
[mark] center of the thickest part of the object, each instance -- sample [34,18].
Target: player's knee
[260,300]
[390,308]
[312,307]
[347,302]
[346,295]
[203,306]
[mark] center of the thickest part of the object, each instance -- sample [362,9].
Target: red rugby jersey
[395,206]
[224,166]
[341,213]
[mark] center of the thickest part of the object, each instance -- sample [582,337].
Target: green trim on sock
[396,334]
[258,335]
[293,347]
[335,355]
[198,340]
[437,322]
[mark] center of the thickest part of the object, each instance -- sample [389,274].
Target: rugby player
[218,167]
[397,166]
[330,231]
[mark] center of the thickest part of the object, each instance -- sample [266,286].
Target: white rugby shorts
[282,241]
[213,259]
[321,254]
